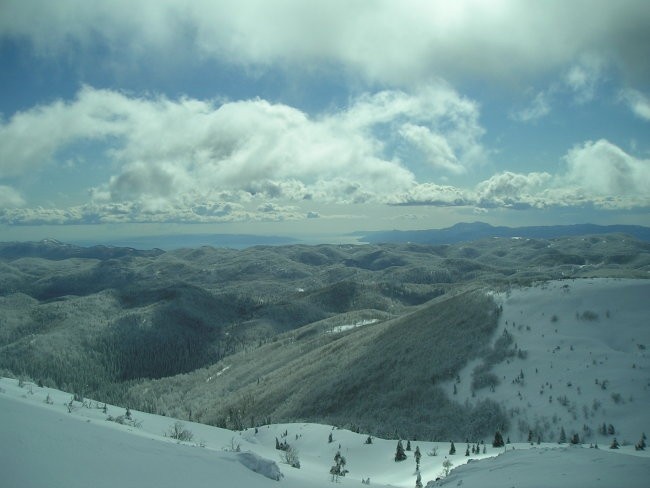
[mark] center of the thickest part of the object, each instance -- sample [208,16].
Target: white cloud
[513,190]
[164,151]
[637,102]
[436,149]
[538,108]
[10,197]
[602,168]
[498,39]
[583,78]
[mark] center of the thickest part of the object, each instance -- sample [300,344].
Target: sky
[300,117]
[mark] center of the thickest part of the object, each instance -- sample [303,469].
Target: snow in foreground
[44,445]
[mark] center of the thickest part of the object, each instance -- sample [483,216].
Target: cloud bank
[500,39]
[189,160]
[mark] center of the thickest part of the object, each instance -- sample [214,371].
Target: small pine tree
[128,413]
[484,449]
[530,436]
[417,455]
[498,440]
[640,446]
[330,438]
[615,444]
[467,451]
[408,445]
[400,455]
[575,439]
[611,430]
[369,440]
[452,449]
[562,436]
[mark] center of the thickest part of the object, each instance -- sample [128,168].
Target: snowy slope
[586,360]
[44,445]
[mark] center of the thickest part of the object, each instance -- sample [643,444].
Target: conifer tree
[562,436]
[467,451]
[417,455]
[400,455]
[498,440]
[408,445]
[452,449]
[614,444]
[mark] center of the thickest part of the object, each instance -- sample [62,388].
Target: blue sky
[312,117]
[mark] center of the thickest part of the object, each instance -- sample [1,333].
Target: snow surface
[570,357]
[44,445]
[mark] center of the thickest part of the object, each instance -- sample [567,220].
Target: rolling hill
[368,337]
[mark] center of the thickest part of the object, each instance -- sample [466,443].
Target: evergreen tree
[467,451]
[640,446]
[369,440]
[498,440]
[562,436]
[614,444]
[530,436]
[611,430]
[417,455]
[408,445]
[330,439]
[452,449]
[575,439]
[400,455]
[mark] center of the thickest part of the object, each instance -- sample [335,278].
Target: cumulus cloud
[512,190]
[10,197]
[436,149]
[637,102]
[603,168]
[498,39]
[166,150]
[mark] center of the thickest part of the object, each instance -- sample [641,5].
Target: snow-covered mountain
[575,358]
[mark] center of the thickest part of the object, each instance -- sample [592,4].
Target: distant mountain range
[474,231]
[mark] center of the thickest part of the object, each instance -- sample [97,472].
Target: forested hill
[103,321]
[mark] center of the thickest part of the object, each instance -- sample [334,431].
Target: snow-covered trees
[339,467]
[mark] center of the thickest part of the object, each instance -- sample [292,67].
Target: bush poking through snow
[446,467]
[179,432]
[290,457]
